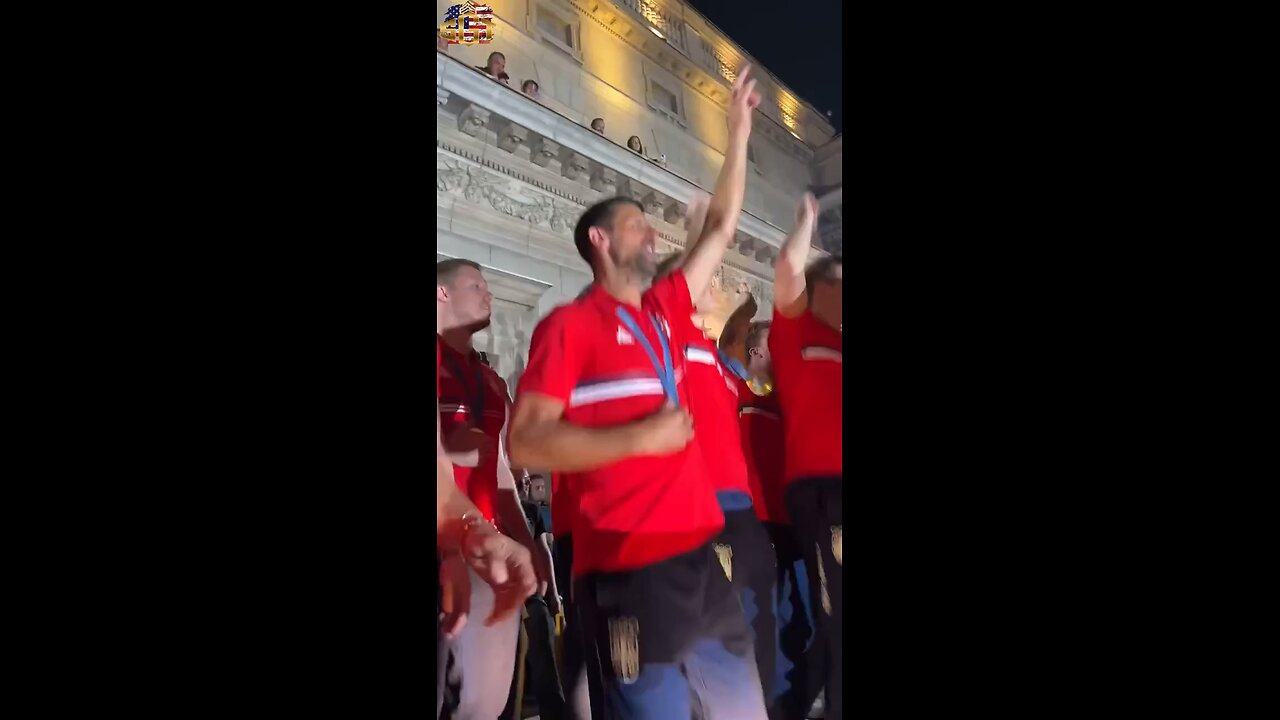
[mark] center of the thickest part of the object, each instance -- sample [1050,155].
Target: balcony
[541,169]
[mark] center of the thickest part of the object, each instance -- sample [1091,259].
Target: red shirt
[459,396]
[713,400]
[640,510]
[808,368]
[760,424]
[561,506]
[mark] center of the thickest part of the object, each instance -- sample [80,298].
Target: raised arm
[789,295]
[726,201]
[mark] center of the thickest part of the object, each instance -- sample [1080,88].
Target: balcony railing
[504,118]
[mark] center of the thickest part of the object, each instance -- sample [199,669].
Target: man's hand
[667,431]
[554,604]
[505,565]
[455,592]
[742,100]
[807,212]
[470,447]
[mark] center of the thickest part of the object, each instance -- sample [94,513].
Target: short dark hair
[598,215]
[669,264]
[525,85]
[754,331]
[821,270]
[593,121]
[446,269]
[495,54]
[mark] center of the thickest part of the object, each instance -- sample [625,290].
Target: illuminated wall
[607,70]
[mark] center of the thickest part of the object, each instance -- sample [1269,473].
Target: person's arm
[726,201]
[452,505]
[541,438]
[789,296]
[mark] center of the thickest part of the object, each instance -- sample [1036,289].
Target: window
[556,26]
[665,98]
[664,93]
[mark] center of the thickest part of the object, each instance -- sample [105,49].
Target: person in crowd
[469,545]
[805,343]
[495,66]
[743,547]
[473,411]
[573,660]
[442,45]
[797,677]
[504,78]
[530,88]
[539,628]
[598,125]
[633,143]
[603,401]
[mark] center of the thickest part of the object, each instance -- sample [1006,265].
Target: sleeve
[557,355]
[784,335]
[671,295]
[437,368]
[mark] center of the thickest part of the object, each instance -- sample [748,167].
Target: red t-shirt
[641,510]
[459,397]
[561,506]
[713,400]
[760,425]
[807,366]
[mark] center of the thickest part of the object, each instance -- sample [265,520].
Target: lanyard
[734,366]
[477,406]
[665,369]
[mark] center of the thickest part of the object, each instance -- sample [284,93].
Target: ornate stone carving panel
[506,341]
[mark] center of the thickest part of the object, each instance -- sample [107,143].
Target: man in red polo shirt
[806,345]
[603,400]
[473,411]
[797,677]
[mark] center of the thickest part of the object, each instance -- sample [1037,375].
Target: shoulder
[671,293]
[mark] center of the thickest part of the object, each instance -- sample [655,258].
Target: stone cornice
[454,78]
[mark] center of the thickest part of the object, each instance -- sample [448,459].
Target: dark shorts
[668,637]
[816,507]
[744,551]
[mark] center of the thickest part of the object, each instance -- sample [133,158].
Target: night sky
[808,62]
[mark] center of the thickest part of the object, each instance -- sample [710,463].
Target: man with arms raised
[602,401]
[807,348]
[473,412]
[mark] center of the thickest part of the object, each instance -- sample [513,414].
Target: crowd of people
[692,548]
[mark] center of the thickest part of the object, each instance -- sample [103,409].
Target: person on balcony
[530,88]
[598,125]
[496,64]
[633,143]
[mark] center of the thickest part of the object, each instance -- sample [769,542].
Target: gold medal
[759,386]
